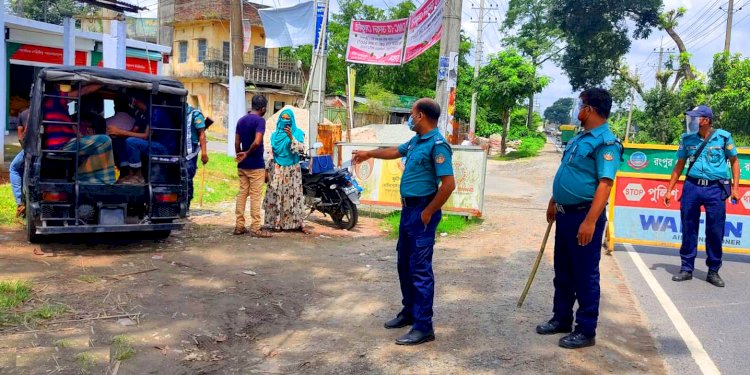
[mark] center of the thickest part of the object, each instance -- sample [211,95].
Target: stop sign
[634,192]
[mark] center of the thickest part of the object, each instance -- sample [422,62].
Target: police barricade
[637,214]
[381,179]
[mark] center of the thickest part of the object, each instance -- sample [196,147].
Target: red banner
[376,42]
[425,29]
[46,55]
[135,64]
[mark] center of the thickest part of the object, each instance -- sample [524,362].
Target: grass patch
[85,361]
[48,311]
[7,206]
[62,343]
[122,348]
[530,147]
[88,278]
[450,224]
[221,180]
[13,293]
[213,138]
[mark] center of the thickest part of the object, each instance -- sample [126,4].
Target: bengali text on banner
[376,42]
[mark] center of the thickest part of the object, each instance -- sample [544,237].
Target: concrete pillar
[69,41]
[114,46]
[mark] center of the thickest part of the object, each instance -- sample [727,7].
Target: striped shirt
[57,135]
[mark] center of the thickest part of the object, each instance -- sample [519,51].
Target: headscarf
[280,142]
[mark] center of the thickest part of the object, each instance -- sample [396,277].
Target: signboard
[133,64]
[319,25]
[376,42]
[637,214]
[40,54]
[425,29]
[381,179]
[659,160]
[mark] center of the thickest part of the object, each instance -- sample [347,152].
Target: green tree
[379,100]
[559,111]
[504,82]
[732,101]
[50,11]
[597,34]
[530,30]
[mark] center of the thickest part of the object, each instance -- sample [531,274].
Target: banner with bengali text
[376,42]
[425,29]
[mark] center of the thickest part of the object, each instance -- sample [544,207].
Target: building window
[201,50]
[261,56]
[183,46]
[277,106]
[225,52]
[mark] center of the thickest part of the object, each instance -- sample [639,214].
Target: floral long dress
[284,202]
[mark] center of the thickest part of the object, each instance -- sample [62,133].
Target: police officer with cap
[426,185]
[579,197]
[707,184]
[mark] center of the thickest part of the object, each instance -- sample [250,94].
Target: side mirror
[317,145]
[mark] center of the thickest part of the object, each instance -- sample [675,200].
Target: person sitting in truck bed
[133,144]
[96,164]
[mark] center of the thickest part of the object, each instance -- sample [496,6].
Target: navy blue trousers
[577,273]
[192,169]
[415,245]
[693,197]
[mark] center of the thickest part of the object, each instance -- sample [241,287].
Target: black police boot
[552,327]
[683,276]
[576,340]
[399,321]
[714,279]
[415,337]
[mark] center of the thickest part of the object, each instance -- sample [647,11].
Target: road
[718,317]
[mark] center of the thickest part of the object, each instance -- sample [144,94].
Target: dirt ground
[212,303]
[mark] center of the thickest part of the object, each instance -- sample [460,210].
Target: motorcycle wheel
[347,217]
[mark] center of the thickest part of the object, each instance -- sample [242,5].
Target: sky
[702,29]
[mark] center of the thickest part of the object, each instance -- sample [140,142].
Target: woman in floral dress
[284,201]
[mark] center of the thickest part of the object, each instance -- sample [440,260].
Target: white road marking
[702,359]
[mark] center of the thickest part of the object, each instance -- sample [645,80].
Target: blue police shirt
[589,157]
[711,164]
[426,158]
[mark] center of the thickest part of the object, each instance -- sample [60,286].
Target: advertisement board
[40,54]
[381,179]
[376,42]
[425,29]
[638,215]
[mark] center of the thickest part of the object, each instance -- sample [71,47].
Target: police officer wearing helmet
[579,197]
[426,185]
[707,184]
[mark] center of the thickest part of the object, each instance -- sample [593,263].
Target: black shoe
[576,340]
[714,279]
[398,322]
[415,337]
[552,327]
[683,276]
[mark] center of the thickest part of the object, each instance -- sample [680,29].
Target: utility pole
[661,57]
[237,74]
[477,66]
[449,42]
[318,82]
[728,36]
[630,112]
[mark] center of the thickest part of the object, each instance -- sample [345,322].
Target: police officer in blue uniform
[579,197]
[426,185]
[707,184]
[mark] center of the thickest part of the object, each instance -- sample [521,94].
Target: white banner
[425,28]
[289,26]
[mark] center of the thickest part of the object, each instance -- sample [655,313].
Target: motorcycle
[333,192]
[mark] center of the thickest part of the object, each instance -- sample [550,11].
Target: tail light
[54,196]
[166,197]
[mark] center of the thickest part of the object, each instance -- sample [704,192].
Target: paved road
[719,317]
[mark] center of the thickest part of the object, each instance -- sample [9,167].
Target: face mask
[692,124]
[410,123]
[576,111]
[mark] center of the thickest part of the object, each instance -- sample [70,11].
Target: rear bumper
[75,229]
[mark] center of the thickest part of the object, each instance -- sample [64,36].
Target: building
[201,54]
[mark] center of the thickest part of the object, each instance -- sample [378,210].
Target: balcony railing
[259,69]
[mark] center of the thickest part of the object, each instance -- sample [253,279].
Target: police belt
[703,182]
[570,208]
[416,201]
